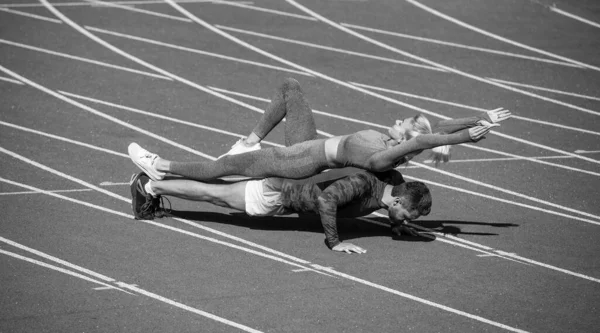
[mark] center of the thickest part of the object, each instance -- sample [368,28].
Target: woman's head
[414,126]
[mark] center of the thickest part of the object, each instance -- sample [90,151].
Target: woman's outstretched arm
[389,158]
[454,125]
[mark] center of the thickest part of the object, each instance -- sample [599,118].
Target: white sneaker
[145,161]
[240,148]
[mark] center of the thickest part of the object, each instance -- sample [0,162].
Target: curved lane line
[191,16]
[461,46]
[314,266]
[500,38]
[450,69]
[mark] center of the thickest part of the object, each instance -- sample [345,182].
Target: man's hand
[348,248]
[499,115]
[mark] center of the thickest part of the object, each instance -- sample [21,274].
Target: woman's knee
[290,84]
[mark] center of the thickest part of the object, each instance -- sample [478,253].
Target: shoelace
[160,210]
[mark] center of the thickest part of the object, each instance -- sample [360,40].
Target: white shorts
[263,198]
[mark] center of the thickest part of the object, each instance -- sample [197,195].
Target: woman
[369,149]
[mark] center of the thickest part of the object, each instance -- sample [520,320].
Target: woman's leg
[298,161]
[288,102]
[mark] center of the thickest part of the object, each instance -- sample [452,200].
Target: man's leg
[231,195]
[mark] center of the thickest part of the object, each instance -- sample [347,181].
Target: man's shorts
[263,197]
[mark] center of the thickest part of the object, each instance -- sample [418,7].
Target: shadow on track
[348,228]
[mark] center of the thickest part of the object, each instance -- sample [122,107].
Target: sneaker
[145,160]
[240,147]
[144,205]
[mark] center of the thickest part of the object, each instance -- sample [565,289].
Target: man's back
[302,195]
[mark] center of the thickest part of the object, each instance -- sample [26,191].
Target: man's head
[411,200]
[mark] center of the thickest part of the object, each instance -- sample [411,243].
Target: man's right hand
[348,248]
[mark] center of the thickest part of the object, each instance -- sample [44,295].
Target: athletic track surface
[516,217]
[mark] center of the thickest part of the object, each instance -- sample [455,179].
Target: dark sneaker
[143,204]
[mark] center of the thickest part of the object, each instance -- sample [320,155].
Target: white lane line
[497,37]
[323,19]
[47,256]
[56,137]
[62,270]
[441,116]
[267,10]
[323,269]
[30,15]
[279,253]
[159,116]
[501,159]
[55,191]
[580,151]
[469,47]
[113,183]
[138,60]
[573,16]
[7,79]
[123,285]
[513,193]
[187,308]
[546,89]
[91,61]
[473,108]
[328,48]
[323,76]
[418,299]
[75,3]
[276,255]
[179,8]
[503,253]
[196,51]
[427,61]
[139,10]
[326,114]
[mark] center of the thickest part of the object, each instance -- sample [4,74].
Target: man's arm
[336,195]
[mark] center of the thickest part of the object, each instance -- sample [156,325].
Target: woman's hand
[478,132]
[499,115]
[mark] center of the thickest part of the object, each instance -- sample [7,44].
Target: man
[345,192]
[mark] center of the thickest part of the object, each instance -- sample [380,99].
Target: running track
[516,216]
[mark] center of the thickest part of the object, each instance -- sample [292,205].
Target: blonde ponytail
[421,125]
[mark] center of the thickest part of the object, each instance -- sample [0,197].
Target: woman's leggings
[303,157]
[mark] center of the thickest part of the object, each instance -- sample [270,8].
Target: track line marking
[469,47]
[89,109]
[546,89]
[123,285]
[328,48]
[62,270]
[587,151]
[91,61]
[134,2]
[500,159]
[138,10]
[323,269]
[435,100]
[7,79]
[449,69]
[440,116]
[497,37]
[159,116]
[30,15]
[56,137]
[196,51]
[323,76]
[55,191]
[573,16]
